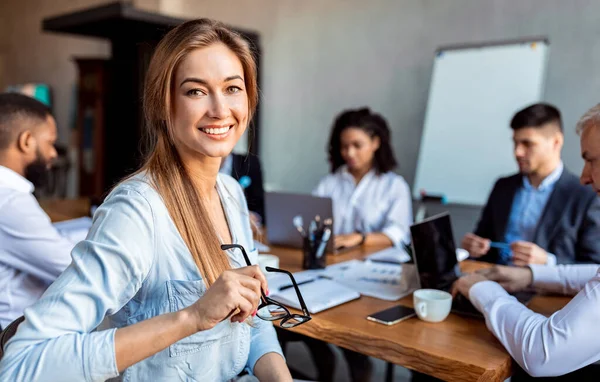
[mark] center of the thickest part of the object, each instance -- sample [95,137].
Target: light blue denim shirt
[134,265]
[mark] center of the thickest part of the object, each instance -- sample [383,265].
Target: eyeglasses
[271,310]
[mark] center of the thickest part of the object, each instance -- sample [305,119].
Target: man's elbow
[536,371]
[538,368]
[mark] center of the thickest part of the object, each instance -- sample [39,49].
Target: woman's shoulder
[392,179]
[333,178]
[327,184]
[136,186]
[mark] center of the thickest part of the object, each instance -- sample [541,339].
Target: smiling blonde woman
[151,268]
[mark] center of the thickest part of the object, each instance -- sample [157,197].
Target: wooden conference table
[457,349]
[64,209]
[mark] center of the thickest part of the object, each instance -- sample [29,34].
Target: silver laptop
[282,207]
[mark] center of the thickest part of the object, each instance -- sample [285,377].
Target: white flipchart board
[475,91]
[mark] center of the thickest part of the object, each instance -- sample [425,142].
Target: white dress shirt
[547,346]
[32,252]
[379,203]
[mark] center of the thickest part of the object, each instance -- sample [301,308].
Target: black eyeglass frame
[266,301]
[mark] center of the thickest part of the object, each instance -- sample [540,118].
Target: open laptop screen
[435,252]
[282,207]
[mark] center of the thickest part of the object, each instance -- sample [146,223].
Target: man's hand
[463,285]
[513,279]
[475,245]
[525,253]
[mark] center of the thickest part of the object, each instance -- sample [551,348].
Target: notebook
[383,280]
[319,293]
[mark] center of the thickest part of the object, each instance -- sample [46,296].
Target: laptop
[282,207]
[435,259]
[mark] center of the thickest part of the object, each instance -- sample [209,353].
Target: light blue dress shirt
[134,265]
[527,208]
[378,203]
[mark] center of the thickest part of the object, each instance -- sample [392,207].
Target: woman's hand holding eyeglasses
[235,293]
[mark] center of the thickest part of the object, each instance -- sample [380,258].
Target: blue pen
[498,245]
[312,230]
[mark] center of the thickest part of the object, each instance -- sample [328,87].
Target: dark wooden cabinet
[110,93]
[92,91]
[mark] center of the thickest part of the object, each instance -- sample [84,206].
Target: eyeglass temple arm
[302,304]
[225,247]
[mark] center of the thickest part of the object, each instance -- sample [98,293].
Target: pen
[318,222]
[498,245]
[300,283]
[312,230]
[299,224]
[384,261]
[323,244]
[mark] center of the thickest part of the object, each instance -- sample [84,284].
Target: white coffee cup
[432,305]
[461,254]
[266,260]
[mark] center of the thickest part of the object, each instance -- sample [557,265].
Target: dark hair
[14,108]
[372,124]
[536,115]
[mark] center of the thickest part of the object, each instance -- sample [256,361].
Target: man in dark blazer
[247,171]
[542,215]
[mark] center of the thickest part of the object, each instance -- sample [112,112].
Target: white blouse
[378,203]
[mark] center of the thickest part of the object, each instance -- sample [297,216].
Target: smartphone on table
[392,315]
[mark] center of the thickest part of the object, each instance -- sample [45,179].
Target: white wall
[323,56]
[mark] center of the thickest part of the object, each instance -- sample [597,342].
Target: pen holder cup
[315,254]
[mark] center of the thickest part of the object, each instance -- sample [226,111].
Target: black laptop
[435,258]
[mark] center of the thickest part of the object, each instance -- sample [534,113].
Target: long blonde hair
[163,163]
